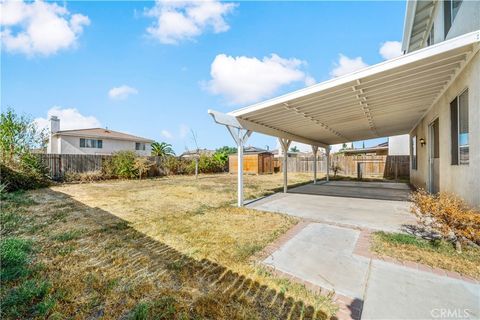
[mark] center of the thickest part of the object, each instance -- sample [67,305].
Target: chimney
[54,124]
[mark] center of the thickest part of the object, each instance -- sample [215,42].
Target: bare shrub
[448,215]
[142,166]
[335,168]
[174,165]
[89,176]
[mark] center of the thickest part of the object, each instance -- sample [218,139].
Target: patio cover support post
[327,151]
[285,143]
[240,136]
[315,151]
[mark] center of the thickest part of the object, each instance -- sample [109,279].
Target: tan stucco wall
[464,180]
[71,145]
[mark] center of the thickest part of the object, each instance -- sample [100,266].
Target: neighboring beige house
[378,150]
[94,141]
[431,93]
[445,144]
[394,146]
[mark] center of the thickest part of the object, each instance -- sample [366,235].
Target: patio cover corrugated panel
[386,99]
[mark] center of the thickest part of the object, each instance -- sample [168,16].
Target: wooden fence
[60,164]
[358,166]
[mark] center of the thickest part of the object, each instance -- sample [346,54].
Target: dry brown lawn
[437,254]
[173,247]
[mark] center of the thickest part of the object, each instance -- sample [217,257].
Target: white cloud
[176,21]
[390,49]
[70,118]
[183,132]
[248,79]
[39,27]
[166,134]
[347,65]
[121,92]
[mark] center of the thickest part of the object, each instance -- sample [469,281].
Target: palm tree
[162,149]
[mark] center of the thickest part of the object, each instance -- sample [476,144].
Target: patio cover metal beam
[356,106]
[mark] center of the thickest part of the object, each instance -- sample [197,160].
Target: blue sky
[164,70]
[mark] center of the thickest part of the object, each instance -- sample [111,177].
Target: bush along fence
[61,165]
[392,167]
[123,165]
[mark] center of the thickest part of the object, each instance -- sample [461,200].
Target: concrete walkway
[324,255]
[308,202]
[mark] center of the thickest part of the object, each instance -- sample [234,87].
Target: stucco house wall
[71,145]
[53,144]
[464,180]
[398,145]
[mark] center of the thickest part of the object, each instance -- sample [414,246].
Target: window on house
[91,143]
[450,10]
[455,6]
[459,129]
[139,146]
[414,152]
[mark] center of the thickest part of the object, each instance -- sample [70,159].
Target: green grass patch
[15,257]
[402,238]
[68,235]
[10,221]
[140,312]
[22,295]
[12,212]
[245,251]
[163,308]
[17,198]
[29,299]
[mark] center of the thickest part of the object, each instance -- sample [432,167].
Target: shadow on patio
[395,191]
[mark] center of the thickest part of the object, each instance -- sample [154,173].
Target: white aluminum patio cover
[386,99]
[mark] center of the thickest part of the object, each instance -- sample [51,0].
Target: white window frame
[142,146]
[95,143]
[413,142]
[452,16]
[458,130]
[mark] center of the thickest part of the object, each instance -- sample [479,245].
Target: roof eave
[102,137]
[408,24]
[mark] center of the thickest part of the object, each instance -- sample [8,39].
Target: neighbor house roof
[379,147]
[102,133]
[386,99]
[254,150]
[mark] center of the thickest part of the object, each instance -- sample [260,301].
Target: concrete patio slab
[396,292]
[387,215]
[322,255]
